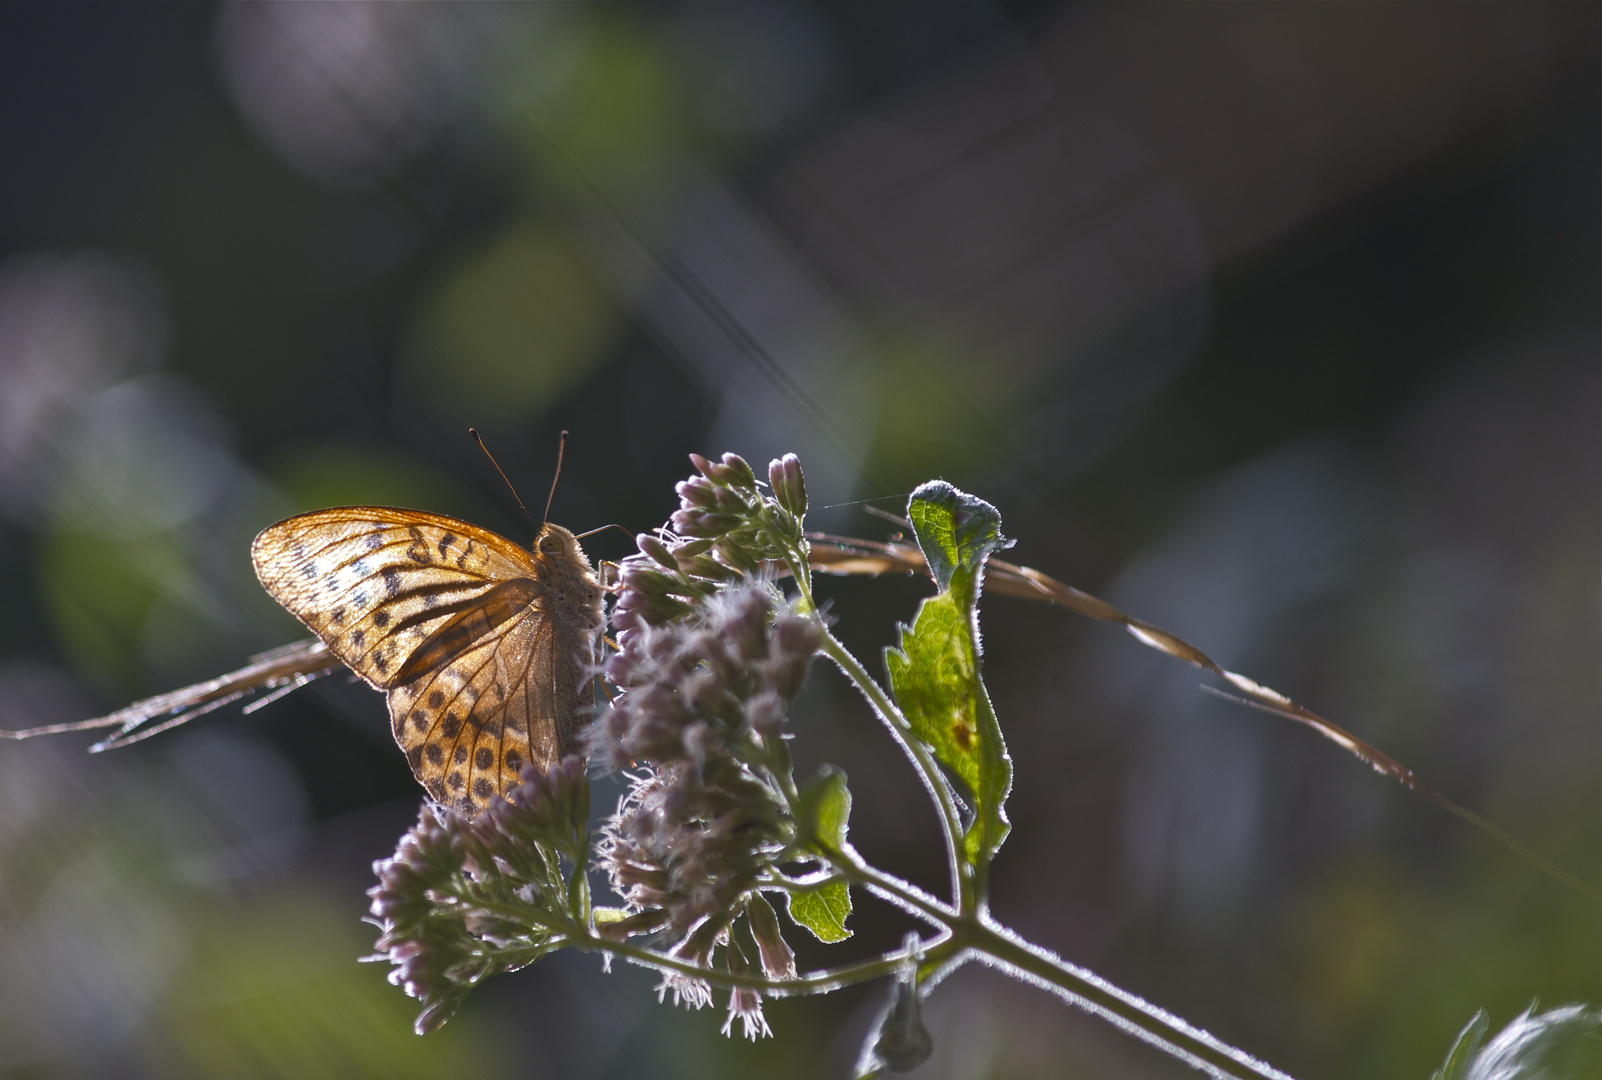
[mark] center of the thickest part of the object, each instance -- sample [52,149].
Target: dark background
[1276,325]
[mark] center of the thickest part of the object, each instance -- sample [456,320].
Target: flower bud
[699,523]
[901,1042]
[657,550]
[689,549]
[789,488]
[696,492]
[704,566]
[734,553]
[778,961]
[740,473]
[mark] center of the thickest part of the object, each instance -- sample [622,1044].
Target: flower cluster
[724,504]
[703,703]
[710,657]
[723,530]
[441,898]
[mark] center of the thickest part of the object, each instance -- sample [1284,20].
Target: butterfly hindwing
[473,711]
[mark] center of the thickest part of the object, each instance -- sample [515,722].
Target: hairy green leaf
[824,808]
[823,910]
[935,674]
[823,812]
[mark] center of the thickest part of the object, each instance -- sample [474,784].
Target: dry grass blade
[281,670]
[848,555]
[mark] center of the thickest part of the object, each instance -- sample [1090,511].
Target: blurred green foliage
[510,329]
[269,991]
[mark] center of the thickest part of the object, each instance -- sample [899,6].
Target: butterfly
[482,647]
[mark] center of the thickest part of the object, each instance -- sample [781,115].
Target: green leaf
[823,812]
[1468,1043]
[935,673]
[823,911]
[824,809]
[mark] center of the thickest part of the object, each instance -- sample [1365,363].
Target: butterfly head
[555,540]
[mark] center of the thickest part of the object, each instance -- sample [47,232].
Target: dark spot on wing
[444,542]
[392,581]
[380,618]
[436,756]
[484,758]
[451,726]
[436,790]
[359,601]
[460,757]
[337,615]
[358,638]
[493,729]
[461,560]
[380,662]
[454,782]
[415,756]
[308,570]
[436,699]
[419,720]
[514,761]
[481,788]
[417,550]
[374,541]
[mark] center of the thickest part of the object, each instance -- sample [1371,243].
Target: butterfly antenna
[480,440]
[561,448]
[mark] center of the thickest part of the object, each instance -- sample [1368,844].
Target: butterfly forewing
[480,644]
[375,582]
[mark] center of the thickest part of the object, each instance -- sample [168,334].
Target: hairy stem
[976,936]
[1005,950]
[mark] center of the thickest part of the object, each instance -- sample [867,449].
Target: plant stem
[978,935]
[903,894]
[962,895]
[1147,1022]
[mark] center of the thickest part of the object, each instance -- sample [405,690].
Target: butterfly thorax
[568,577]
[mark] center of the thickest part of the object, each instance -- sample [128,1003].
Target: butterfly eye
[551,545]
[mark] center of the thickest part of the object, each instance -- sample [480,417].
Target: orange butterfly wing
[480,644]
